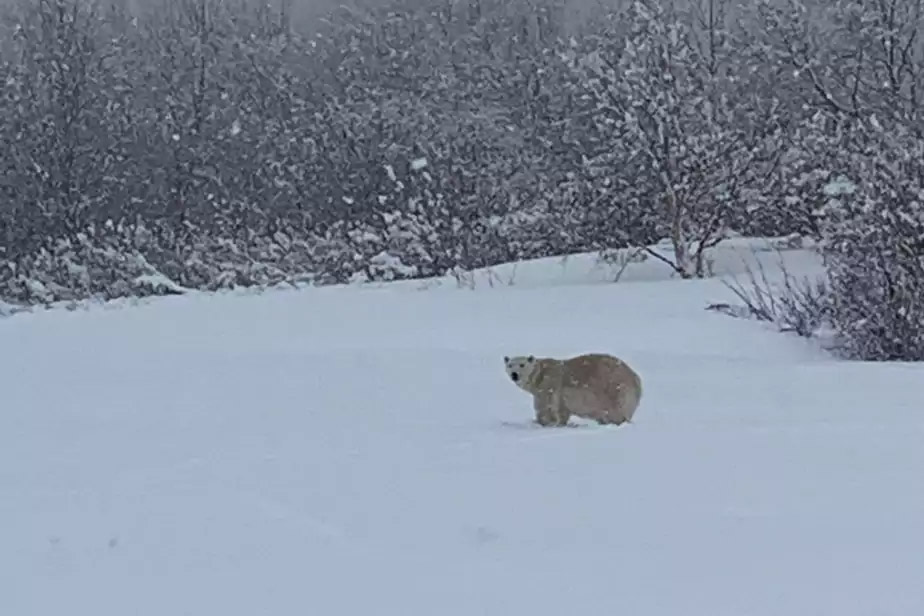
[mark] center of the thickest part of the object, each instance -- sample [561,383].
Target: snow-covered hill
[347,451]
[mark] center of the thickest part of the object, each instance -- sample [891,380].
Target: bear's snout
[514,376]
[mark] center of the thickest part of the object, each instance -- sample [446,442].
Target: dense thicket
[178,144]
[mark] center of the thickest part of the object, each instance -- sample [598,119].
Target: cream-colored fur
[593,386]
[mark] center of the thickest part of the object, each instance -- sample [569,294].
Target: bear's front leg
[542,403]
[550,411]
[561,410]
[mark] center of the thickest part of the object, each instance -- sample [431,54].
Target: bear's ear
[506,359]
[531,358]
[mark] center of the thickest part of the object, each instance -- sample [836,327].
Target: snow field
[343,451]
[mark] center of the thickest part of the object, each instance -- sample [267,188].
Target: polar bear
[593,386]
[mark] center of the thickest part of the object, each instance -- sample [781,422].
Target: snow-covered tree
[684,143]
[59,152]
[850,57]
[231,144]
[462,86]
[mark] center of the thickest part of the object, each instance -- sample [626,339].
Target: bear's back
[591,369]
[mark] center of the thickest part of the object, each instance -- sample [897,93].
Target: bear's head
[520,369]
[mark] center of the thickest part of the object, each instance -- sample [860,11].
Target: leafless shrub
[796,304]
[622,259]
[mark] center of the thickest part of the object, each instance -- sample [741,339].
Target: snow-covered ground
[344,451]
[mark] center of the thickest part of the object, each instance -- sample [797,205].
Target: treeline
[208,144]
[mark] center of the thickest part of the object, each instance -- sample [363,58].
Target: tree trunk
[682,260]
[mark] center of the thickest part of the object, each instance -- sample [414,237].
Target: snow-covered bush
[151,258]
[855,175]
[100,263]
[874,243]
[870,186]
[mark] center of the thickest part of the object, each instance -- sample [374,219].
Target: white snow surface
[350,451]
